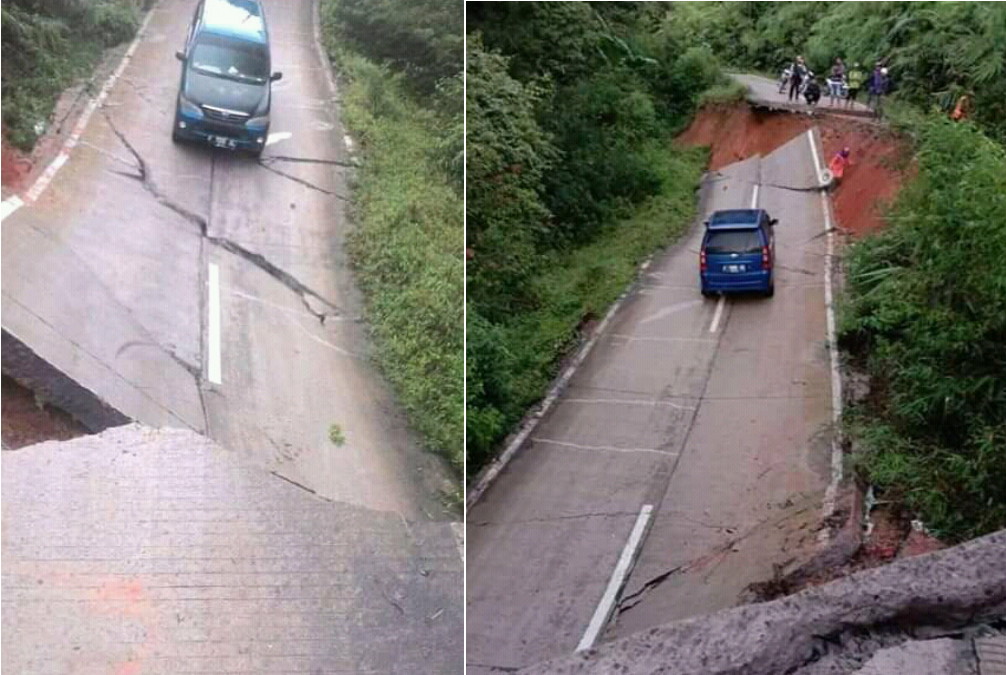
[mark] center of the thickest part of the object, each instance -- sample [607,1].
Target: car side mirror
[706,223]
[180,56]
[276,76]
[773,222]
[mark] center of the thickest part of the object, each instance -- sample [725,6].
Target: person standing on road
[797,72]
[877,88]
[835,81]
[855,79]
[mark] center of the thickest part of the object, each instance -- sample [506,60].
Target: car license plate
[734,268]
[223,142]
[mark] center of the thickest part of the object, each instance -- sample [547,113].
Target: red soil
[14,166]
[876,171]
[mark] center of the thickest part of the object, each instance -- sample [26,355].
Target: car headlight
[187,107]
[258,122]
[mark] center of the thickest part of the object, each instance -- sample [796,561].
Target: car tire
[770,291]
[707,294]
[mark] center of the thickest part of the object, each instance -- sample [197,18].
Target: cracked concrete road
[110,276]
[716,416]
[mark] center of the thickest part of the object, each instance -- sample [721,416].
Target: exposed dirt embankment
[879,159]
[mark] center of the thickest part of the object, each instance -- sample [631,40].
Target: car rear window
[733,241]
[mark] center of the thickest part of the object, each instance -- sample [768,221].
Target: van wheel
[707,294]
[771,290]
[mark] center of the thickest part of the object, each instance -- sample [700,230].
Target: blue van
[226,85]
[738,252]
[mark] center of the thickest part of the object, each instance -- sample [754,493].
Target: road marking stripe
[9,206]
[817,160]
[831,492]
[754,196]
[673,309]
[605,448]
[617,581]
[42,182]
[718,314]
[213,327]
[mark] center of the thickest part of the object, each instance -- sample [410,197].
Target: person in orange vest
[838,163]
[962,109]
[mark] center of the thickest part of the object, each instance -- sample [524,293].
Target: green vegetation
[572,181]
[335,436]
[47,45]
[402,101]
[935,50]
[925,315]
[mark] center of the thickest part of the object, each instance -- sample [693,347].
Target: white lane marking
[831,492]
[277,137]
[718,314]
[213,326]
[817,160]
[605,448]
[459,538]
[619,401]
[617,580]
[754,196]
[42,182]
[9,206]
[673,309]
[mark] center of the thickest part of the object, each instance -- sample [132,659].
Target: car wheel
[707,294]
[770,291]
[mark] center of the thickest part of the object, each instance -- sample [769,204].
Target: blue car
[738,252]
[226,85]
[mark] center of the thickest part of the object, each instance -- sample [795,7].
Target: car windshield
[733,241]
[231,58]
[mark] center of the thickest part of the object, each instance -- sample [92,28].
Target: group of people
[842,84]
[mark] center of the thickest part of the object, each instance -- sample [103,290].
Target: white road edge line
[618,577]
[831,492]
[12,204]
[720,304]
[818,169]
[213,327]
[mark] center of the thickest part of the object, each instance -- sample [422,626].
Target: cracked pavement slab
[721,425]
[106,277]
[162,553]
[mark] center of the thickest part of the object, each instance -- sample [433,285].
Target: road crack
[308,160]
[291,282]
[308,184]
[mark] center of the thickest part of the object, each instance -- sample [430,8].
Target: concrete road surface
[202,290]
[145,261]
[765,91]
[710,415]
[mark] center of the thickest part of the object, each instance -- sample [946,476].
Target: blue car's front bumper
[234,136]
[736,283]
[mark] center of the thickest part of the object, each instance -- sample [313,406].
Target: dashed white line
[754,196]
[9,206]
[617,580]
[277,137]
[213,357]
[718,314]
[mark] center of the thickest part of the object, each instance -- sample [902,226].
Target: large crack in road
[202,224]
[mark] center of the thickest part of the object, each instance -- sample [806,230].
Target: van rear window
[733,241]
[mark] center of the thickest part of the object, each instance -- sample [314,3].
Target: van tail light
[766,258]
[703,265]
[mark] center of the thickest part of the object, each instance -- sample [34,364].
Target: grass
[408,248]
[730,91]
[45,54]
[581,284]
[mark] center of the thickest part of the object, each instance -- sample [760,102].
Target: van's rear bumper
[736,283]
